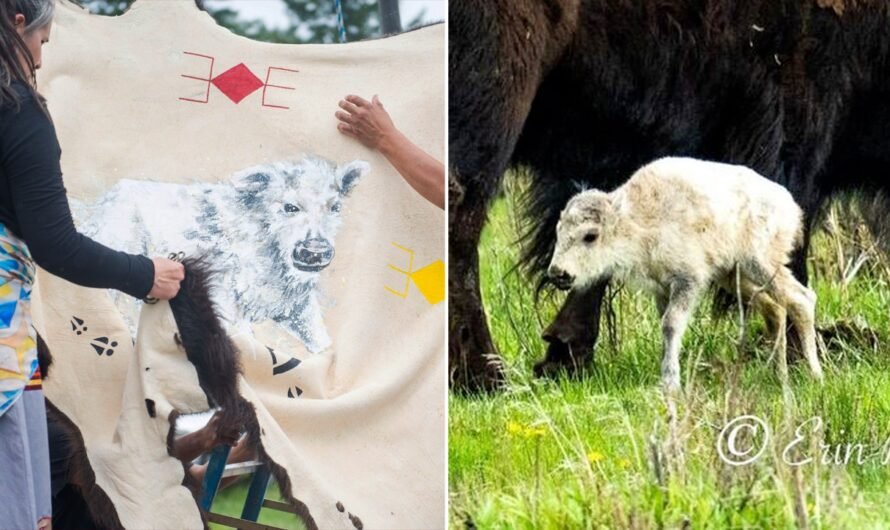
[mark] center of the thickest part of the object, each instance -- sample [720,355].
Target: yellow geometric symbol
[430,280]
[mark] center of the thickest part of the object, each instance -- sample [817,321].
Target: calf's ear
[348,175]
[251,181]
[598,209]
[594,213]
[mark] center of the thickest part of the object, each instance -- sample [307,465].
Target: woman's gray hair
[38,13]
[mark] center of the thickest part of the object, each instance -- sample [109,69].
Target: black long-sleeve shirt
[34,206]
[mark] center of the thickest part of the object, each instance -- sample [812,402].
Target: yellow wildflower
[595,456]
[514,428]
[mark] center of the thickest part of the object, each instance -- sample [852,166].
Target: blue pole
[256,494]
[213,474]
[340,25]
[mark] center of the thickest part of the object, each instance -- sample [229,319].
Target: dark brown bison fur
[583,92]
[212,352]
[206,343]
[215,358]
[44,357]
[80,474]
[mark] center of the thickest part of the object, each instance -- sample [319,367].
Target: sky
[272,12]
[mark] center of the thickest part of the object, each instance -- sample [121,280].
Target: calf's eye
[291,208]
[590,237]
[335,207]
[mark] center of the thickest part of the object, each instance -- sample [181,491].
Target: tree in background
[105,7]
[309,21]
[316,20]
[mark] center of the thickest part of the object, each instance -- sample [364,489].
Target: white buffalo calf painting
[269,232]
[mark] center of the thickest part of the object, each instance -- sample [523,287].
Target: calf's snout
[313,254]
[560,278]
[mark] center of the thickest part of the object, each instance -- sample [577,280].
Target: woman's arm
[30,157]
[369,123]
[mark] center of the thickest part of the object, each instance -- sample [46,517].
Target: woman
[36,227]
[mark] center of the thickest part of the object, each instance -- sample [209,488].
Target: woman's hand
[168,275]
[217,435]
[366,121]
[190,446]
[369,123]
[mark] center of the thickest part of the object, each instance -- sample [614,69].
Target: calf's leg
[681,303]
[800,303]
[776,318]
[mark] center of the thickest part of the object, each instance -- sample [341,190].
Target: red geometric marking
[266,85]
[237,82]
[207,97]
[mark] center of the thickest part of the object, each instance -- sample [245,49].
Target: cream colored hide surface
[361,421]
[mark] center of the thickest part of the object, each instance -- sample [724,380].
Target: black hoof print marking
[104,345]
[356,522]
[77,325]
[285,366]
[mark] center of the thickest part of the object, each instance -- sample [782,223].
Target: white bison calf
[269,231]
[676,227]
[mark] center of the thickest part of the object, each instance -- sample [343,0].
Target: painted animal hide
[178,136]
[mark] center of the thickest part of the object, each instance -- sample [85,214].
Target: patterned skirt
[25,498]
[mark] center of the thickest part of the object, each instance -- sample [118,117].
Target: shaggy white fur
[679,225]
[270,230]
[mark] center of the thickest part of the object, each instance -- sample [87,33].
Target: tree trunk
[390,20]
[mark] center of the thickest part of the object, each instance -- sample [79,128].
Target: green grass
[230,501]
[598,452]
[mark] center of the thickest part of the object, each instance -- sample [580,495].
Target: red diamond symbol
[237,82]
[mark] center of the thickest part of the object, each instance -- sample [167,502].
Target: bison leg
[472,358]
[572,335]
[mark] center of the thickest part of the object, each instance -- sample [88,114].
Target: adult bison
[587,91]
